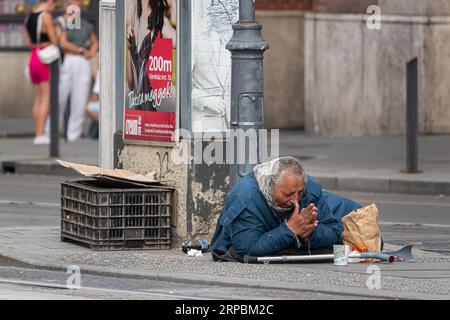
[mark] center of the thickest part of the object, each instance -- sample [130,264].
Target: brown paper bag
[361,230]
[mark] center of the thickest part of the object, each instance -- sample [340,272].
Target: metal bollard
[412,117]
[54,109]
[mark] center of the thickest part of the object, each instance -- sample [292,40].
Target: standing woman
[39,72]
[75,80]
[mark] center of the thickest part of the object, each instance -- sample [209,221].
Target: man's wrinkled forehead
[290,182]
[291,174]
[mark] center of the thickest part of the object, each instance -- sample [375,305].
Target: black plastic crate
[106,218]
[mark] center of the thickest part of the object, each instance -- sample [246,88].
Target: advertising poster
[211,61]
[150,113]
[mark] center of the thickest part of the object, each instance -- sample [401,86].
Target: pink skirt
[39,72]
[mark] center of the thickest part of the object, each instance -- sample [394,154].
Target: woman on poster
[148,19]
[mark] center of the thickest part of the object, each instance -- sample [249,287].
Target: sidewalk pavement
[16,128]
[41,248]
[366,164]
[372,164]
[20,156]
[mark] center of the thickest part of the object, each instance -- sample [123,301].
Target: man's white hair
[269,176]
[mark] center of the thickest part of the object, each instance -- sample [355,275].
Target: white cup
[341,254]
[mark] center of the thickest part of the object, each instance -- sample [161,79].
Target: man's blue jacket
[250,225]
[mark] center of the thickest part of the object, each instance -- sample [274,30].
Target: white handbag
[49,54]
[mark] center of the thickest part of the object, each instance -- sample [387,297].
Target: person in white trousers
[75,72]
[75,82]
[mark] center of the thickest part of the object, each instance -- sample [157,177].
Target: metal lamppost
[247,48]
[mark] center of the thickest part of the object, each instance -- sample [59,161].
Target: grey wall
[283,68]
[16,93]
[355,78]
[437,78]
[415,7]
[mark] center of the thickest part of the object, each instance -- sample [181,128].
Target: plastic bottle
[201,245]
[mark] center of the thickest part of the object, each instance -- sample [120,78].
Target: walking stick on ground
[404,254]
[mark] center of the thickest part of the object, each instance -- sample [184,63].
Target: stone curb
[381,185]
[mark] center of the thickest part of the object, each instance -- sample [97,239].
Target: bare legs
[41,107]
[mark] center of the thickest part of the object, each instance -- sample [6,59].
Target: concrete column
[205,88]
[107,82]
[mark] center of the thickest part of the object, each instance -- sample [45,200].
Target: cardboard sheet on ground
[116,176]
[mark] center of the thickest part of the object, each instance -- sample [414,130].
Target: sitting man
[277,209]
